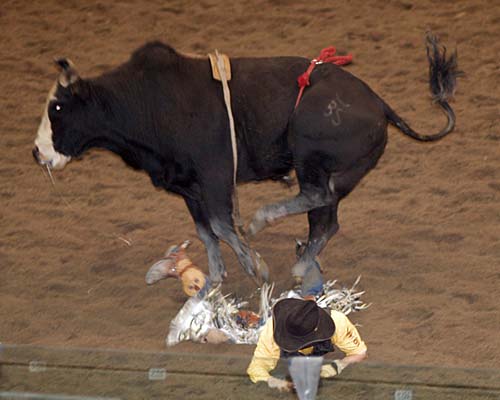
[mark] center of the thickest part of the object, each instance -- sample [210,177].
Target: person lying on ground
[300,327]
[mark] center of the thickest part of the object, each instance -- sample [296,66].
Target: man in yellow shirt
[301,327]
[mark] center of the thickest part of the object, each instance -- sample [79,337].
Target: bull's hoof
[299,269]
[258,223]
[262,268]
[255,227]
[297,283]
[312,283]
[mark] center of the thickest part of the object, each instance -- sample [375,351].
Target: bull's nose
[36,154]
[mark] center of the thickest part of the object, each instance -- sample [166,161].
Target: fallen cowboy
[209,316]
[301,328]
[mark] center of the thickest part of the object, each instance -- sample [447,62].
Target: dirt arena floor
[423,228]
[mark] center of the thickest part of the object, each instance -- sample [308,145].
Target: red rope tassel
[327,55]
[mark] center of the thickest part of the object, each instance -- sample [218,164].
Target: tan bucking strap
[215,68]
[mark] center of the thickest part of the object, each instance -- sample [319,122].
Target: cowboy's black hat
[300,323]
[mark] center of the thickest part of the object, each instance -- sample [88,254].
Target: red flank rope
[327,55]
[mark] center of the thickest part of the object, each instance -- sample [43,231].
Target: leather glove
[327,371]
[280,384]
[331,370]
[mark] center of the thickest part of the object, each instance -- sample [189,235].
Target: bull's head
[63,130]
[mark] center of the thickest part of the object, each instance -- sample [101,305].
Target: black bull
[162,112]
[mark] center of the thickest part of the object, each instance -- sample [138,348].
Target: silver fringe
[217,311]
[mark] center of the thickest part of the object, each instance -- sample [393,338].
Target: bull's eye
[56,107]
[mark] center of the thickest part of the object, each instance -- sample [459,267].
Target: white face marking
[47,155]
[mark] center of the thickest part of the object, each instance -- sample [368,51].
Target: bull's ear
[67,72]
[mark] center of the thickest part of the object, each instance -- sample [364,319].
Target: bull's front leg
[224,229]
[216,268]
[219,205]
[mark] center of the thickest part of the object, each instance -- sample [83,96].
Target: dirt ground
[423,228]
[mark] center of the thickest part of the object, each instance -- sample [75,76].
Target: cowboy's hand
[280,384]
[331,370]
[327,371]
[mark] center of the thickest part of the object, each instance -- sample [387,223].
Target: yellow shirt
[267,353]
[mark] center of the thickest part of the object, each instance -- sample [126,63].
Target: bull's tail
[443,74]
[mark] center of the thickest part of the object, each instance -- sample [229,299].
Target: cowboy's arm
[347,360]
[265,356]
[348,340]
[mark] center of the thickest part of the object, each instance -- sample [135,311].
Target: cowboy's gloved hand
[327,371]
[280,384]
[333,369]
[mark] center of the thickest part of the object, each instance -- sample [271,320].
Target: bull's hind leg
[323,225]
[323,222]
[311,196]
[317,197]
